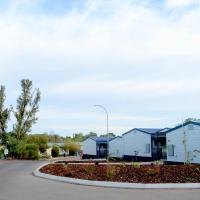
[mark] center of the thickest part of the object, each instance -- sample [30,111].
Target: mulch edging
[127,174]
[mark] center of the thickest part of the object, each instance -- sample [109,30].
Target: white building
[116,147]
[144,144]
[183,143]
[95,147]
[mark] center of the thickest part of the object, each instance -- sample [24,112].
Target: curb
[37,173]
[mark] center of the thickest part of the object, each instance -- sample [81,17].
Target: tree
[41,140]
[78,137]
[55,138]
[111,135]
[4,115]
[27,107]
[55,151]
[72,147]
[191,119]
[91,134]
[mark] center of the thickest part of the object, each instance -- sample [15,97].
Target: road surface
[17,183]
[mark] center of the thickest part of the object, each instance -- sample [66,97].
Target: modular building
[183,143]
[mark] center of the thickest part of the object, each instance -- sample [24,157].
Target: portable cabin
[116,147]
[183,143]
[144,144]
[95,147]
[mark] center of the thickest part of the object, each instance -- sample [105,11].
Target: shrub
[1,153]
[197,170]
[12,145]
[31,151]
[123,164]
[72,147]
[27,151]
[20,150]
[45,156]
[157,162]
[110,172]
[151,172]
[136,165]
[55,151]
[40,139]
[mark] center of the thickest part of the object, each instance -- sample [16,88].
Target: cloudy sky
[138,58]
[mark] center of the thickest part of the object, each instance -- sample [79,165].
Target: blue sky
[140,59]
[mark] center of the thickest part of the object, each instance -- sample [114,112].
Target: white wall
[136,141]
[176,138]
[89,147]
[116,147]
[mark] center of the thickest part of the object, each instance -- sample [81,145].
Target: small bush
[27,151]
[40,139]
[45,156]
[157,162]
[110,172]
[136,165]
[1,153]
[55,151]
[197,170]
[73,148]
[31,151]
[151,172]
[123,164]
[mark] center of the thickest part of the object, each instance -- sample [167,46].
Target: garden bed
[130,174]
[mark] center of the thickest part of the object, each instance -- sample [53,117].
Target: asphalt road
[17,183]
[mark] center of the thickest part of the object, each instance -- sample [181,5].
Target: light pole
[106,111]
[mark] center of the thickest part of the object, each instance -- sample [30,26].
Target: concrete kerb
[37,173]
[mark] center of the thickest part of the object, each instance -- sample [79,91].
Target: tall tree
[4,115]
[78,137]
[27,107]
[111,135]
[91,134]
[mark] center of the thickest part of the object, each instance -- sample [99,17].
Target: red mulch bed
[131,174]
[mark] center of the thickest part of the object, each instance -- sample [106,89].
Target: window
[147,148]
[171,150]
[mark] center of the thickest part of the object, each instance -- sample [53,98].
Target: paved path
[17,183]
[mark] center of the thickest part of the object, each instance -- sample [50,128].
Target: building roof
[164,130]
[100,139]
[150,131]
[182,125]
[115,138]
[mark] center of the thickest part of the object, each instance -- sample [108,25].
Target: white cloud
[182,3]
[127,55]
[65,120]
[127,88]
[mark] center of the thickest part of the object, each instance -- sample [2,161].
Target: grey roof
[182,125]
[150,131]
[164,130]
[100,139]
[115,138]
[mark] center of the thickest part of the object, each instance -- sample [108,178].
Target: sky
[138,58]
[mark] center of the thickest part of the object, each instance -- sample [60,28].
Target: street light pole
[106,111]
